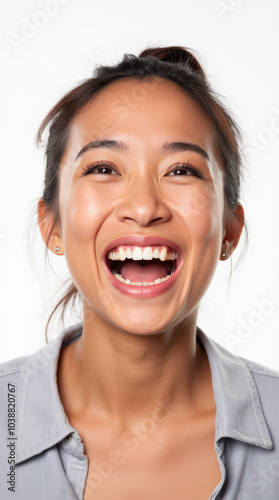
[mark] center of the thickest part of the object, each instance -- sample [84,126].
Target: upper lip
[141,241]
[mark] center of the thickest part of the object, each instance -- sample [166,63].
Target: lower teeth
[145,283]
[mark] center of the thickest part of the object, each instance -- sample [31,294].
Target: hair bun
[175,54]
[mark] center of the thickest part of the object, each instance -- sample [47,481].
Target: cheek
[202,210]
[84,213]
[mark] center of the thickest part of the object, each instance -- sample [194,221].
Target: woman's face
[143,191]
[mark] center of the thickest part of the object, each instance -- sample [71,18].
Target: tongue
[149,272]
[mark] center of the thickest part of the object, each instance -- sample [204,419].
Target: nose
[143,203]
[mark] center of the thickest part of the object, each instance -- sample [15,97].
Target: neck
[123,377]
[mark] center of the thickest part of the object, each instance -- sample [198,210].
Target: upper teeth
[142,253]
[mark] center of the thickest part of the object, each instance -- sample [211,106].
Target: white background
[237,41]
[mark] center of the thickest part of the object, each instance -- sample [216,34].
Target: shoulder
[12,367]
[10,388]
[11,375]
[42,360]
[243,378]
[260,369]
[266,381]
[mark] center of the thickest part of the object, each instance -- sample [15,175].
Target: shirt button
[69,437]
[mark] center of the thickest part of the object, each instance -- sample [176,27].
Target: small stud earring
[57,249]
[224,254]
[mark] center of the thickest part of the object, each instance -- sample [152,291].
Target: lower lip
[144,291]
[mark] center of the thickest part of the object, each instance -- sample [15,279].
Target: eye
[99,165]
[184,168]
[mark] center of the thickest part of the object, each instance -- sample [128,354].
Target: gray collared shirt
[42,455]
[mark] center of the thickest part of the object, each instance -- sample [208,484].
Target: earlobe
[45,221]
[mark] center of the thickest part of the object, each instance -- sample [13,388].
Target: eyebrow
[172,147]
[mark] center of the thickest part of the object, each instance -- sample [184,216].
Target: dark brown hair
[175,63]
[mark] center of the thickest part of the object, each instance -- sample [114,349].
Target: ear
[233,232]
[45,221]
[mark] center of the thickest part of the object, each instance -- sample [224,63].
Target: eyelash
[182,167]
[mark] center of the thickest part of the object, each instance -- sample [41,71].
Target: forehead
[145,113]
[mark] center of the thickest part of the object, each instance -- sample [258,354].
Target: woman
[141,195]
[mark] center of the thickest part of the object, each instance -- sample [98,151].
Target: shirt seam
[244,365]
[262,372]
[26,451]
[255,439]
[11,372]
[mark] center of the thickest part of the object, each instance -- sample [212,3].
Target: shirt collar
[239,413]
[42,421]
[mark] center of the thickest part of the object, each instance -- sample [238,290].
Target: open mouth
[142,266]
